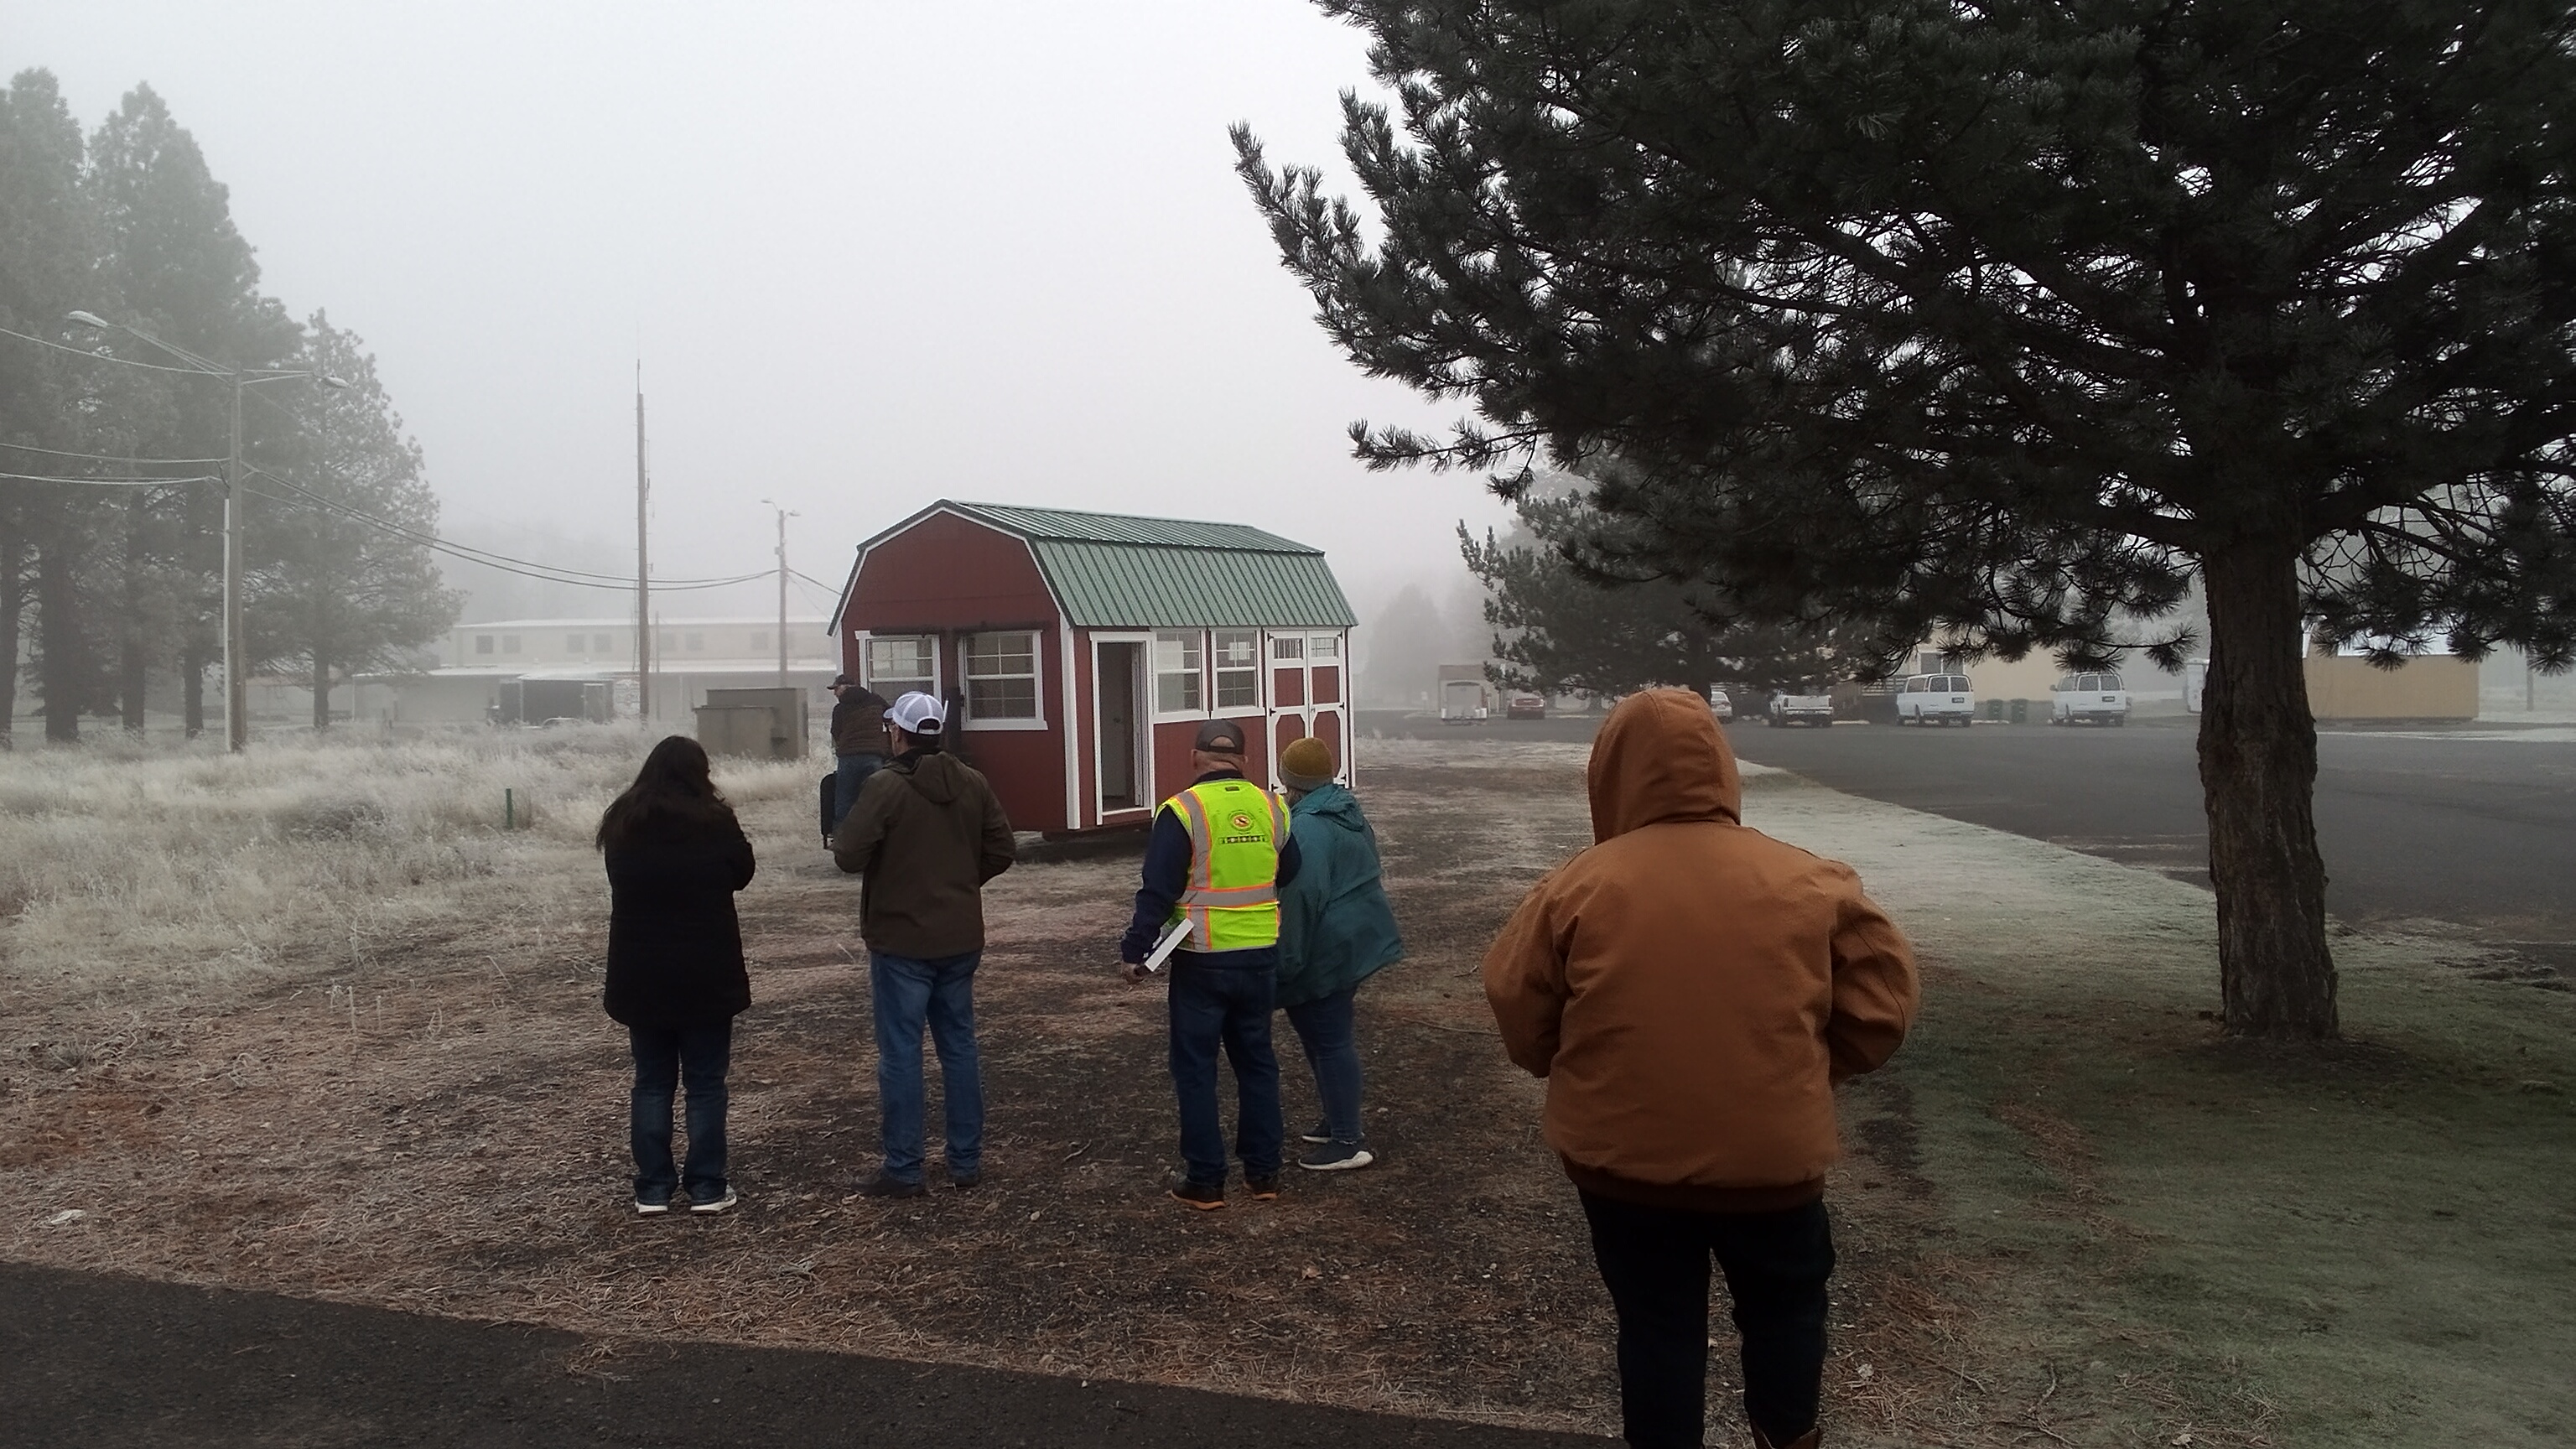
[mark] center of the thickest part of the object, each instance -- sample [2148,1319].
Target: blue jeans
[850,772]
[1324,1030]
[1226,1006]
[940,992]
[663,1056]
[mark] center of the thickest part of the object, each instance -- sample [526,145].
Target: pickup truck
[1802,709]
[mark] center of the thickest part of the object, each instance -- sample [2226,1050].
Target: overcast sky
[870,254]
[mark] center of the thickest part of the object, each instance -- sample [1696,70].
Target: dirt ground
[444,1132]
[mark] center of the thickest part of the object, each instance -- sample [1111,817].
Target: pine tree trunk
[13,553]
[321,693]
[192,688]
[2258,773]
[58,632]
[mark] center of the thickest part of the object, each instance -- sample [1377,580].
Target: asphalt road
[2475,827]
[90,1359]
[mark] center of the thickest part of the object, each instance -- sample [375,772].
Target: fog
[868,255]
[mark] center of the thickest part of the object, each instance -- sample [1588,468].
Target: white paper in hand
[1171,942]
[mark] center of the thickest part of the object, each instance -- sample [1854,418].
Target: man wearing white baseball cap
[924,834]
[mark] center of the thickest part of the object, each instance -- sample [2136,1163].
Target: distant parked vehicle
[1802,709]
[1720,704]
[2089,699]
[1462,701]
[1525,705]
[1936,699]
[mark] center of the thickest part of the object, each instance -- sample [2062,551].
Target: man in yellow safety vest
[1218,855]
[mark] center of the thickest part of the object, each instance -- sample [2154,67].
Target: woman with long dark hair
[675,856]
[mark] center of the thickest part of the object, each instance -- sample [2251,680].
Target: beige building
[691,656]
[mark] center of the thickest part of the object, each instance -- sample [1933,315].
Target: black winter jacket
[674,944]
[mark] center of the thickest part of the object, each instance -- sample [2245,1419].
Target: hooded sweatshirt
[1335,927]
[1692,989]
[925,833]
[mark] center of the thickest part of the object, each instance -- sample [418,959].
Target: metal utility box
[537,701]
[761,724]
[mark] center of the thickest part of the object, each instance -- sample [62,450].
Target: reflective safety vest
[1237,830]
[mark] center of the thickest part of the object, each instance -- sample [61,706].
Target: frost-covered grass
[132,868]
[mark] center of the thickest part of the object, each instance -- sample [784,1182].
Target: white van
[2089,698]
[1935,699]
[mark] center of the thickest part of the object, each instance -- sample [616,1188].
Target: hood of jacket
[1661,757]
[937,775]
[1328,805]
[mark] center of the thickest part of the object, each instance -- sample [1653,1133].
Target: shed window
[1180,671]
[1238,668]
[899,664]
[1288,649]
[1326,646]
[482,643]
[1002,676]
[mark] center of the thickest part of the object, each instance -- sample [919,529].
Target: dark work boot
[1808,1440]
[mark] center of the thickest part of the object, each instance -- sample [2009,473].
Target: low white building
[691,656]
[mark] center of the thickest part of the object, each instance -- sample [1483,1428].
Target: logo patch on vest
[1242,821]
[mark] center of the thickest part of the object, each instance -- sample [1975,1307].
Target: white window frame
[1036,678]
[1189,638]
[1258,669]
[1329,645]
[929,647]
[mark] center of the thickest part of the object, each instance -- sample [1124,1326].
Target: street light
[236,647]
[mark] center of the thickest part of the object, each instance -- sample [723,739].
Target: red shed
[1080,651]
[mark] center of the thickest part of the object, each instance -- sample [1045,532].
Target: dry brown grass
[406,1095]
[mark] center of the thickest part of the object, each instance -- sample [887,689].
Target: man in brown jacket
[1692,990]
[925,833]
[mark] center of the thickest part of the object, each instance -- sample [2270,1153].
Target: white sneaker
[1337,1157]
[714,1204]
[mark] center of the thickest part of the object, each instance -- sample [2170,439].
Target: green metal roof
[1112,571]
[1070,526]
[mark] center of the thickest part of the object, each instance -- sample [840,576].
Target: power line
[111,457]
[112,482]
[546,573]
[103,357]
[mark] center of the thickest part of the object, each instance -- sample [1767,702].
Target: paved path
[2472,826]
[93,1360]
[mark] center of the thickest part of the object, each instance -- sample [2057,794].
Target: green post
[509,809]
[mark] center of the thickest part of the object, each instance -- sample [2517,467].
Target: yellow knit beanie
[1306,764]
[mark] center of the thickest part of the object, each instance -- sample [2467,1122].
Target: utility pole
[236,646]
[643,576]
[783,516]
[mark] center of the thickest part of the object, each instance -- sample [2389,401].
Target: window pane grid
[1179,678]
[1238,668]
[1001,675]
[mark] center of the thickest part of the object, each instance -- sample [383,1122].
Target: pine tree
[340,582]
[48,532]
[178,268]
[1575,613]
[1997,323]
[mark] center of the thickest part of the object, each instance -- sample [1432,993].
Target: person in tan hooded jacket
[1692,990]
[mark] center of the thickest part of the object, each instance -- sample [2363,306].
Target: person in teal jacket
[1335,931]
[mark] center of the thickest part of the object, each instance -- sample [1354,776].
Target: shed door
[1117,683]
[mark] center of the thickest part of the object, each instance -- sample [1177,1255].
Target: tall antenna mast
[643,576]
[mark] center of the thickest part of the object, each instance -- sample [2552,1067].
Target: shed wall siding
[947,573]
